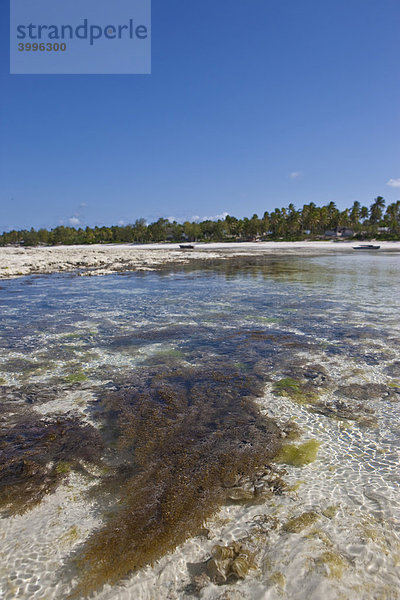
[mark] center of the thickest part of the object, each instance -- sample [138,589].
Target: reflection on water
[150,400]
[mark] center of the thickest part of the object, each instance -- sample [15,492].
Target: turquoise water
[314,340]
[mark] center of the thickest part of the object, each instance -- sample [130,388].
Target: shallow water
[316,341]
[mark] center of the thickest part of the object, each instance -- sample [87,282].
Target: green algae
[330,511]
[394,384]
[71,536]
[23,367]
[298,456]
[70,336]
[297,524]
[75,335]
[295,390]
[287,385]
[63,468]
[297,485]
[241,366]
[171,353]
[321,535]
[334,562]
[277,578]
[76,377]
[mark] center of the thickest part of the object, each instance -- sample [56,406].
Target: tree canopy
[308,222]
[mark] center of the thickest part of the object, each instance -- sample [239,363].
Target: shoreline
[101,259]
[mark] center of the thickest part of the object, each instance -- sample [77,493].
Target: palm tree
[344,218]
[376,210]
[277,223]
[333,215]
[355,213]
[392,216]
[293,221]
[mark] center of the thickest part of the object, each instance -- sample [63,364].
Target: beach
[101,259]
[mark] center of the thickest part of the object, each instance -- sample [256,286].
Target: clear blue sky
[243,94]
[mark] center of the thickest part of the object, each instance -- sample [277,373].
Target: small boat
[186,246]
[366,247]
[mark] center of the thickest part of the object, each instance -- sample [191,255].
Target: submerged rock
[367,391]
[315,374]
[393,370]
[230,563]
[338,409]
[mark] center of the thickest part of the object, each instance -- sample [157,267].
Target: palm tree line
[310,222]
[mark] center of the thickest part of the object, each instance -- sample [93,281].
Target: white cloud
[83,204]
[121,222]
[73,221]
[295,174]
[171,219]
[216,217]
[395,183]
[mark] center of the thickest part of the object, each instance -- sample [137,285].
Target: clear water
[329,324]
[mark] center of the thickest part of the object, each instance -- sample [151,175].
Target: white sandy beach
[100,259]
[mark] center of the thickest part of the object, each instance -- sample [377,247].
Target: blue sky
[251,104]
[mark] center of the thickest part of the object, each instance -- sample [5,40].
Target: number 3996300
[48,47]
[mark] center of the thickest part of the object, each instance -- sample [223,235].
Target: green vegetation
[162,355]
[299,392]
[76,377]
[309,222]
[277,578]
[297,524]
[63,468]
[287,385]
[394,385]
[71,536]
[334,562]
[297,456]
[330,511]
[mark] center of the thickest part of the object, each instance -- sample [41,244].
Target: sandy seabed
[101,259]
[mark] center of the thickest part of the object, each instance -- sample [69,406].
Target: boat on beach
[186,246]
[366,247]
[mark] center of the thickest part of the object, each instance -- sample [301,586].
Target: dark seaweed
[36,454]
[177,439]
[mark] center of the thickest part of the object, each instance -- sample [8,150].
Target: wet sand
[103,259]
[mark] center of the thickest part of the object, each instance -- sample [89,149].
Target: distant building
[339,232]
